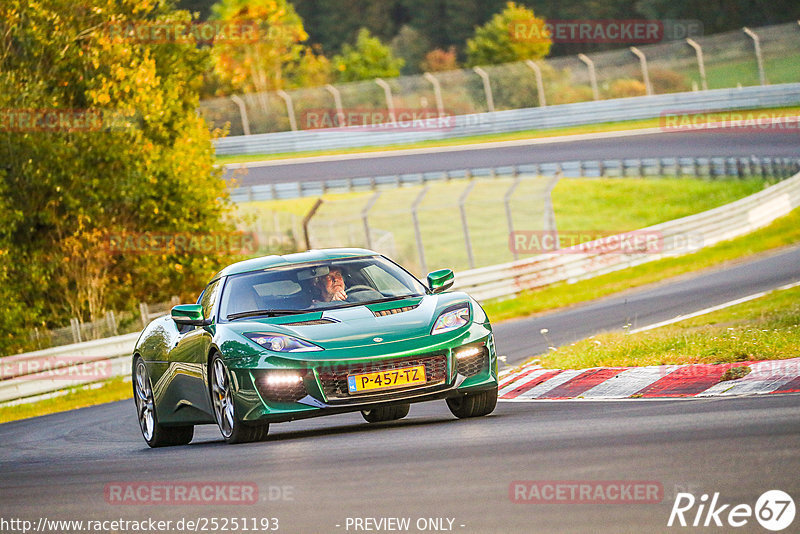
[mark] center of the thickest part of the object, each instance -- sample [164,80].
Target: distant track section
[709,143]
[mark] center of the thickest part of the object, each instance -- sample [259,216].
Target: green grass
[609,205]
[79,397]
[767,328]
[512,136]
[782,69]
[782,232]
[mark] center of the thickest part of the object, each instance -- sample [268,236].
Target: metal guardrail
[712,167]
[621,109]
[36,374]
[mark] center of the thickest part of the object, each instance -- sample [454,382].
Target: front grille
[473,365]
[334,378]
[392,311]
[281,393]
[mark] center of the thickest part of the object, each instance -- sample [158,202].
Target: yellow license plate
[395,378]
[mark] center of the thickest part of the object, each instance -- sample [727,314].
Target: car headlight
[451,318]
[281,342]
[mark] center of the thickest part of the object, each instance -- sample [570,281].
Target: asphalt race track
[313,475]
[664,144]
[429,465]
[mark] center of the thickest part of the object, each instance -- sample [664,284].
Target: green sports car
[280,338]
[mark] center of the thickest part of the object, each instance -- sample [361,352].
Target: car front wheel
[155,434]
[232,429]
[473,404]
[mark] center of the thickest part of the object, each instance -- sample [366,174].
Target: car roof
[267,262]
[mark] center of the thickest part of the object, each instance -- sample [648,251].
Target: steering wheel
[360,288]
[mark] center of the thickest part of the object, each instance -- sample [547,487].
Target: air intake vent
[392,311]
[311,322]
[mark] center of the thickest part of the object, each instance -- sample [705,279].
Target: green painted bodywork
[177,357]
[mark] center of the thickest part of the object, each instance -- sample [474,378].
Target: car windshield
[316,286]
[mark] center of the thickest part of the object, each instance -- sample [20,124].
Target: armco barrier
[515,120]
[719,224]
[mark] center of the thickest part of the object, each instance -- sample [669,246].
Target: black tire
[473,404]
[155,434]
[233,430]
[386,413]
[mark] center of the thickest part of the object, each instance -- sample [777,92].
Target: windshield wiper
[268,313]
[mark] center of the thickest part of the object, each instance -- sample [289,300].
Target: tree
[369,58]
[331,24]
[494,43]
[411,46]
[128,154]
[440,60]
[277,59]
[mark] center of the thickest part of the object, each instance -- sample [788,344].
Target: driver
[331,285]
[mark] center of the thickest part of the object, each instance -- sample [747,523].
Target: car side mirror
[441,280]
[188,314]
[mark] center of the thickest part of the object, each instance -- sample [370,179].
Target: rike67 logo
[774,510]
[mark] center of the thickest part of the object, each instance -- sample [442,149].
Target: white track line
[713,308]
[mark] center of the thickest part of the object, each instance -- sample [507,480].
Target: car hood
[358,326]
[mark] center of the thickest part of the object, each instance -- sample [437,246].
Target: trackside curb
[532,382]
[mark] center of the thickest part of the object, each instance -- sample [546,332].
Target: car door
[188,364]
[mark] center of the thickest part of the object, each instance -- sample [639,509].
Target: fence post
[337,101]
[539,83]
[417,232]
[759,59]
[645,75]
[487,87]
[437,92]
[549,213]
[365,217]
[387,91]
[111,322]
[76,329]
[464,223]
[509,217]
[592,75]
[242,113]
[700,63]
[144,314]
[289,108]
[307,219]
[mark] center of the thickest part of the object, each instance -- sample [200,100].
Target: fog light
[468,353]
[288,378]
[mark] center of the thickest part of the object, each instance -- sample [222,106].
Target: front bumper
[323,389]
